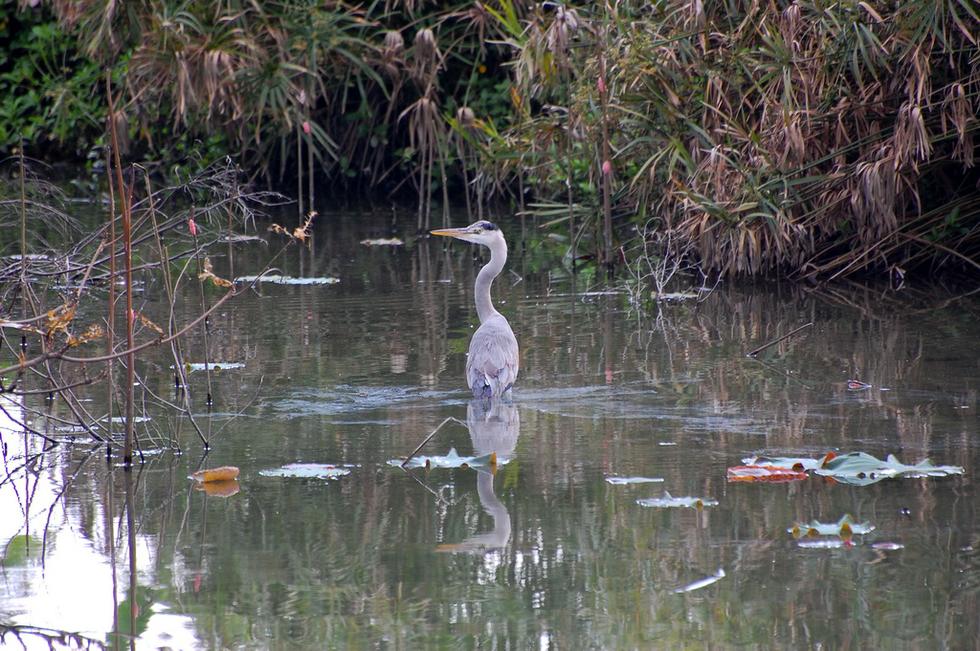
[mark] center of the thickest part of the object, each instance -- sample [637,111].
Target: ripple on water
[347,399]
[638,401]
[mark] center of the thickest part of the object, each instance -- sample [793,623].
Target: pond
[321,390]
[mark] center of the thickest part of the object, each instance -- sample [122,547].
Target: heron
[492,362]
[494,427]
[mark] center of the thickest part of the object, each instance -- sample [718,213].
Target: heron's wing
[493,358]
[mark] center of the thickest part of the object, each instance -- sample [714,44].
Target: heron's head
[481,232]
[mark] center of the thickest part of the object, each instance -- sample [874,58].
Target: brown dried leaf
[207,274]
[91,333]
[59,319]
[149,324]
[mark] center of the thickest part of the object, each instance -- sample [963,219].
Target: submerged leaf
[669,501]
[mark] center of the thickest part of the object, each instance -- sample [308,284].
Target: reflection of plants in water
[58,284]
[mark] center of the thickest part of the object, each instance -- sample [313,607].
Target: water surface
[544,553]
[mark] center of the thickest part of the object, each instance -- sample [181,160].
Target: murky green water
[545,553]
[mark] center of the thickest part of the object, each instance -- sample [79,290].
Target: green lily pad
[617,481]
[669,501]
[309,471]
[288,280]
[452,459]
[844,528]
[862,469]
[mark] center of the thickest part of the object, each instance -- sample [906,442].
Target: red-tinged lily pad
[857,385]
[764,473]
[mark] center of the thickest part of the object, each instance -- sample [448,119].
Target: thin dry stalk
[125,197]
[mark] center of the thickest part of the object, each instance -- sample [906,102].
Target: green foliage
[49,95]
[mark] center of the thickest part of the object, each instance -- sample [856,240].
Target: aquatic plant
[754,138]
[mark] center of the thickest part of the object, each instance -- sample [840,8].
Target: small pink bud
[192,227]
[601,85]
[606,168]
[306,128]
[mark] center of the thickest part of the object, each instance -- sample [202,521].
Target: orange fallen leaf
[224,473]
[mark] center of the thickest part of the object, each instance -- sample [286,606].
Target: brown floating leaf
[764,473]
[223,473]
[222,488]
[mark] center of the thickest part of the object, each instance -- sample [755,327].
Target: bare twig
[776,341]
[429,437]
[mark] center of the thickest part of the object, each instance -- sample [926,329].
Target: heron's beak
[451,232]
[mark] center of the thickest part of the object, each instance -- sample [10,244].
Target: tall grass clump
[820,139]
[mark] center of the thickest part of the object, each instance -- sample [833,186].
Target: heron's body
[493,359]
[491,364]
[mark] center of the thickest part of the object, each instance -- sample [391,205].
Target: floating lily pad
[214,366]
[309,471]
[862,469]
[288,280]
[772,474]
[675,296]
[843,528]
[669,501]
[702,583]
[632,480]
[383,241]
[452,459]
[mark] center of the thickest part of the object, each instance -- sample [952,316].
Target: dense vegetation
[813,138]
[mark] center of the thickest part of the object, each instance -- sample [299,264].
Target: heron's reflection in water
[494,427]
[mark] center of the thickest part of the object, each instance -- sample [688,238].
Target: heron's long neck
[498,256]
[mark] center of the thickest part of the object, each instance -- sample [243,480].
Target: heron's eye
[487,226]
